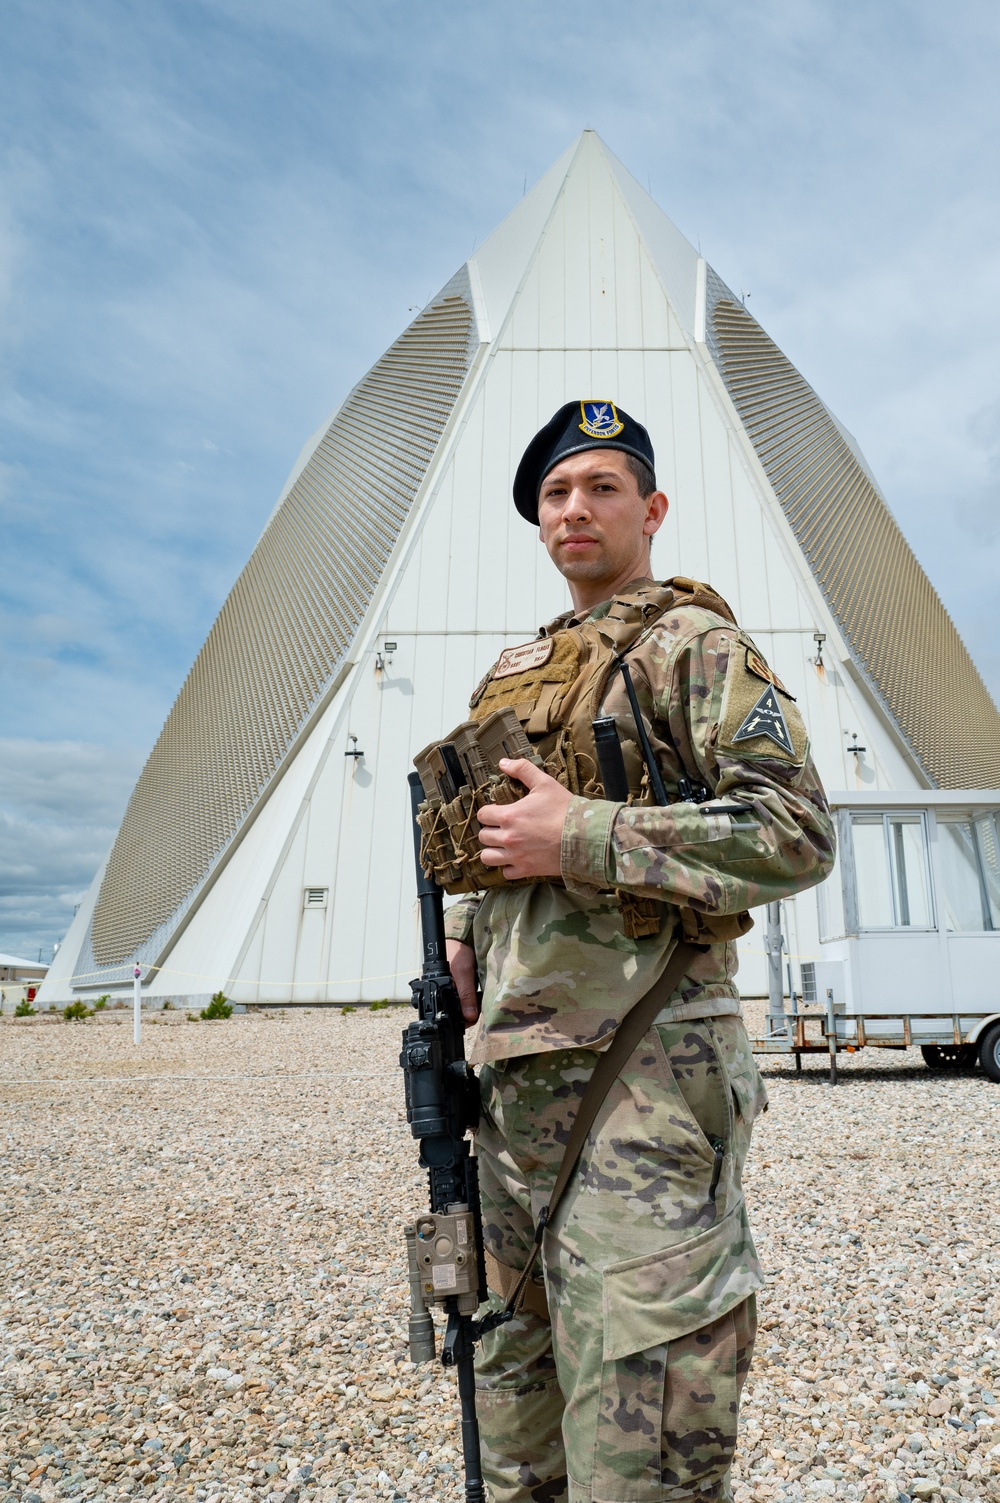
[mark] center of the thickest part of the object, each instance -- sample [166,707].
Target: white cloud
[60,805]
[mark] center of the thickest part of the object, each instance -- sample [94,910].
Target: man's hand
[462,965]
[526,838]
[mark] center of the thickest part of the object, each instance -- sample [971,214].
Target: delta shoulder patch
[754,721]
[600,420]
[766,719]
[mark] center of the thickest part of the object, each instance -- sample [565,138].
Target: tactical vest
[555,686]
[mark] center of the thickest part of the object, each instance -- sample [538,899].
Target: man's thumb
[526,772]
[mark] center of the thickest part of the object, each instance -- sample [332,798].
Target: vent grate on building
[894,622]
[808,971]
[284,633]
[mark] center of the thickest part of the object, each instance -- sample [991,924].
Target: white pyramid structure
[266,848]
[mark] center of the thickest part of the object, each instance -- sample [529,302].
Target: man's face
[593,522]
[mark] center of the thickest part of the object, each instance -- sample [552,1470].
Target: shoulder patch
[518,659]
[753,721]
[756,664]
[765,719]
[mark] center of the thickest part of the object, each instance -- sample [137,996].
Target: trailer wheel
[989,1052]
[948,1056]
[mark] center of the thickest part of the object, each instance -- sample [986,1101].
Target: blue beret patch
[600,420]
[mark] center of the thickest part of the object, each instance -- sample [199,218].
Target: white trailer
[909,934]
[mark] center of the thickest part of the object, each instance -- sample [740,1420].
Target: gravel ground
[204,1290]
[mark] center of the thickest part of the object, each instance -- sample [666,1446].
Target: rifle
[445,1246]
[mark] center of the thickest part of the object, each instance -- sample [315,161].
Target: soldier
[618,1381]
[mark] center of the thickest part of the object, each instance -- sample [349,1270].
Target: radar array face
[283,635]
[901,634]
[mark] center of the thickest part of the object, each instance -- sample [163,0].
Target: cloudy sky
[216,214]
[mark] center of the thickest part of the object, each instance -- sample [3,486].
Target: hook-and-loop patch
[756,721]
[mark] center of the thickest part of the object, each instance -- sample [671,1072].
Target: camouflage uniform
[631,1393]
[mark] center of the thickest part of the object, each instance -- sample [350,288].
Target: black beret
[576,426]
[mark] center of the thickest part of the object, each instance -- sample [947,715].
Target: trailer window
[871,871]
[970,873]
[891,872]
[830,900]
[909,871]
[988,833]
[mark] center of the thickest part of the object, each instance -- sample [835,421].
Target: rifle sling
[501,1278]
[636,1022]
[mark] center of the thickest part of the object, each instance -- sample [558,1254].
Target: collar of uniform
[568,618]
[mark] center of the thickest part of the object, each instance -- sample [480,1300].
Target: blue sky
[215,216]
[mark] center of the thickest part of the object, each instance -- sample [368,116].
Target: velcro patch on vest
[519,659]
[521,674]
[756,664]
[756,722]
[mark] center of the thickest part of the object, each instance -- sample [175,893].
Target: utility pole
[774,944]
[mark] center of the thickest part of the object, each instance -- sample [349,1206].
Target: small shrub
[102,1002]
[379,1006]
[168,1006]
[76,1012]
[192,1017]
[24,1009]
[217,1008]
[347,1009]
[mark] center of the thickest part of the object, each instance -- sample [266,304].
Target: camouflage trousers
[630,1392]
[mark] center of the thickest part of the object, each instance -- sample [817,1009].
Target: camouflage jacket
[555,966]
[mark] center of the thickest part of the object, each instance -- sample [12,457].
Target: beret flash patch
[600,420]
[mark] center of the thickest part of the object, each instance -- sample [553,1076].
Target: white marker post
[137,1007]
